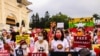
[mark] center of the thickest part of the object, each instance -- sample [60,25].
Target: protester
[41,45]
[34,34]
[81,37]
[69,38]
[45,34]
[59,44]
[97,37]
[13,33]
[22,49]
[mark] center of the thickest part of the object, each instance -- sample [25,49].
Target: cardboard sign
[37,54]
[82,42]
[23,37]
[4,53]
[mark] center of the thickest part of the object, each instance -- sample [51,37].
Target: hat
[22,42]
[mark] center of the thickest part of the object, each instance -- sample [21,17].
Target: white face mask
[24,46]
[40,38]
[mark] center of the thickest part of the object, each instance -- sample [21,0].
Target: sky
[72,8]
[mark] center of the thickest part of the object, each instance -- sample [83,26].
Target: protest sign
[83,42]
[4,53]
[60,25]
[23,37]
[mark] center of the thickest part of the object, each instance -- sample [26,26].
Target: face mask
[58,35]
[24,46]
[79,33]
[40,38]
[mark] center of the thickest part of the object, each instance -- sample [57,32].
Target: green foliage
[59,18]
[44,22]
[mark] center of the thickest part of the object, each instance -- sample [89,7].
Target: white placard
[60,25]
[98,22]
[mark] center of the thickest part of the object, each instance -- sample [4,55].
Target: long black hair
[44,32]
[62,37]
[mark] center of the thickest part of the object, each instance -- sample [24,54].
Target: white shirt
[58,45]
[1,44]
[96,40]
[44,45]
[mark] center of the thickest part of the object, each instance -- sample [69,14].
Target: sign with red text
[4,53]
[82,42]
[37,54]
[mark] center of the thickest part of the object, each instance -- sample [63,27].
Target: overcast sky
[72,8]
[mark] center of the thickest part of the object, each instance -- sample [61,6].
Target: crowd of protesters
[55,40]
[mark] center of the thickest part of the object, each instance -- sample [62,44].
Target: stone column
[2,14]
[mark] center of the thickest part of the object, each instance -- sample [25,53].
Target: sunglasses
[79,31]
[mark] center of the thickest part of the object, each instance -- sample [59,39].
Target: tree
[37,17]
[42,23]
[59,18]
[37,24]
[46,18]
[96,16]
[47,15]
[35,21]
[32,21]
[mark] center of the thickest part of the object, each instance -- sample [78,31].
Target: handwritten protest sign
[23,37]
[4,53]
[83,42]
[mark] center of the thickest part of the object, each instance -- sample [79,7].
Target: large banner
[4,53]
[83,42]
[23,37]
[37,54]
[88,21]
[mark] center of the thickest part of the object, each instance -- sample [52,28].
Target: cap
[22,42]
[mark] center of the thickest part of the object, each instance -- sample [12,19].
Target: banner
[23,37]
[88,21]
[37,54]
[4,53]
[83,42]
